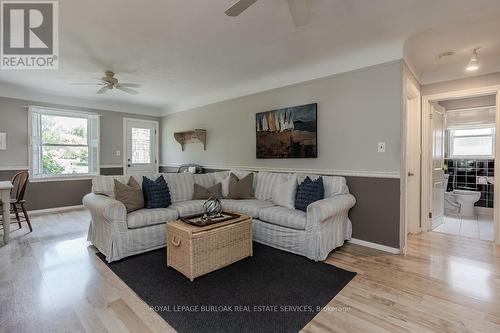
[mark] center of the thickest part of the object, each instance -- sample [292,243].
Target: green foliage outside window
[50,165]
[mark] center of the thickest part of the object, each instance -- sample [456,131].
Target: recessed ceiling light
[473,64]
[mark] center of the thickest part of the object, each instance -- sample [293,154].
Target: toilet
[460,201]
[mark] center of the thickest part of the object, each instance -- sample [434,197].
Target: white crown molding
[352,173]
[10,90]
[375,246]
[358,60]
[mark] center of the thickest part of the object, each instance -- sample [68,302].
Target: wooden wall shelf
[197,135]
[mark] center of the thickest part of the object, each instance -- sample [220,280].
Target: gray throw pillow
[203,193]
[130,195]
[241,188]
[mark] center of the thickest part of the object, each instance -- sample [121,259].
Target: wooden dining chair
[20,182]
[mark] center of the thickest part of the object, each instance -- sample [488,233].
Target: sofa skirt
[314,244]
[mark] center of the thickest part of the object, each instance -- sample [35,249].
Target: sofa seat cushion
[189,207]
[146,217]
[251,207]
[285,217]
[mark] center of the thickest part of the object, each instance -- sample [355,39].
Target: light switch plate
[381,147]
[117,153]
[3,141]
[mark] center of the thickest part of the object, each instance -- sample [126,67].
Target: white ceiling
[422,50]
[189,53]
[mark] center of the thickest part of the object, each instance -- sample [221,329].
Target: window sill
[59,179]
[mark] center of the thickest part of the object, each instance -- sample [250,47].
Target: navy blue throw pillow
[308,192]
[156,193]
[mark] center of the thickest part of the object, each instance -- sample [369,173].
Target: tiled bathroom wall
[463,175]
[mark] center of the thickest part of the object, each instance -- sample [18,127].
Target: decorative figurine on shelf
[212,208]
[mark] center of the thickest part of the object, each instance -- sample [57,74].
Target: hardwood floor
[50,281]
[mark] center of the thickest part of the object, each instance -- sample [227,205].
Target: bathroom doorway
[462,151]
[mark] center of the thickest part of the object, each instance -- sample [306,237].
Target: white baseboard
[54,210]
[375,246]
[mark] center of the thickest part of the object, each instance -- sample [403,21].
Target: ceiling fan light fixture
[473,64]
[110,82]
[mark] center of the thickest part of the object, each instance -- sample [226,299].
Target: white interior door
[438,185]
[413,156]
[140,146]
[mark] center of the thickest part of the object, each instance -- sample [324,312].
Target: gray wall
[355,111]
[43,195]
[14,121]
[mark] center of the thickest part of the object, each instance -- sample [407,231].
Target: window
[63,143]
[141,145]
[476,142]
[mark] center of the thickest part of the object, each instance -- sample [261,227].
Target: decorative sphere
[212,207]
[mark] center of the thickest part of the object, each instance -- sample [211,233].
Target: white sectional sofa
[313,234]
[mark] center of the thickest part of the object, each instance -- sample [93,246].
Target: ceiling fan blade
[130,85]
[127,90]
[87,84]
[103,90]
[239,7]
[300,11]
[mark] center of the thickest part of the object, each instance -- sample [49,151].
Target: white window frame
[451,141]
[93,143]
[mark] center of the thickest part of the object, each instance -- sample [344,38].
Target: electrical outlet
[118,153]
[381,147]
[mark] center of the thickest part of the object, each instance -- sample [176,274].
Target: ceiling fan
[109,82]
[299,9]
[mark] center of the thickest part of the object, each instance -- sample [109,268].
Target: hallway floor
[478,228]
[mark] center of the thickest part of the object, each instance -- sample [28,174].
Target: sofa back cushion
[181,185]
[106,184]
[333,185]
[266,182]
[204,179]
[284,193]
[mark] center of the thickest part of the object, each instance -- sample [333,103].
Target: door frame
[412,93]
[427,150]
[157,141]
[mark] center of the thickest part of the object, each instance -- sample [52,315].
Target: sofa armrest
[323,209]
[103,208]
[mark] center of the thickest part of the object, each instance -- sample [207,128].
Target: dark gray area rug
[273,291]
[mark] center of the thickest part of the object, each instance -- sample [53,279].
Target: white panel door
[438,185]
[141,139]
[413,150]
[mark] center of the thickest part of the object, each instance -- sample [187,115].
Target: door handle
[411,174]
[128,165]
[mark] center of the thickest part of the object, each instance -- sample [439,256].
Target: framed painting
[287,132]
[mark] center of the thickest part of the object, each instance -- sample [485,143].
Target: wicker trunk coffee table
[195,251]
